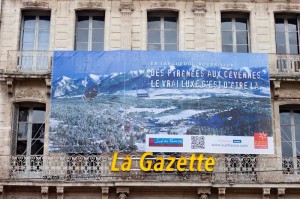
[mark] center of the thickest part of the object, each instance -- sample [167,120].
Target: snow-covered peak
[94,77]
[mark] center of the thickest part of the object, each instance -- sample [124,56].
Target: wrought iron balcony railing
[40,62]
[29,62]
[228,169]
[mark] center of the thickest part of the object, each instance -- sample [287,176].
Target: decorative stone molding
[222,191]
[280,192]
[199,8]
[288,7]
[235,6]
[89,4]
[48,87]
[35,4]
[162,4]
[122,192]
[276,88]
[32,93]
[9,82]
[44,191]
[105,192]
[266,193]
[126,7]
[203,192]
[60,192]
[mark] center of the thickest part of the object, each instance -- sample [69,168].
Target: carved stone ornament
[90,4]
[126,7]
[162,4]
[288,7]
[122,196]
[35,4]
[44,190]
[29,93]
[203,196]
[235,6]
[199,7]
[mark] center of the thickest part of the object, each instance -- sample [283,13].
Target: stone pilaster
[105,192]
[126,10]
[280,193]
[266,193]
[60,192]
[44,192]
[122,192]
[203,192]
[199,10]
[221,192]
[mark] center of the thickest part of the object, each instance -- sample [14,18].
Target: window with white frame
[287,34]
[235,32]
[89,31]
[28,129]
[162,29]
[35,32]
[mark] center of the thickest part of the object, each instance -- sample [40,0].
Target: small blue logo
[237,141]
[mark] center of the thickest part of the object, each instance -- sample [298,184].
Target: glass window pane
[227,37]
[23,114]
[21,147]
[98,22]
[292,25]
[226,24]
[153,23]
[97,46]
[227,48]
[280,38]
[294,49]
[279,24]
[286,134]
[170,23]
[82,35]
[153,36]
[38,131]
[44,36]
[285,117]
[98,35]
[298,149]
[43,46]
[22,131]
[44,22]
[287,149]
[27,46]
[297,117]
[170,47]
[37,147]
[28,36]
[81,46]
[242,37]
[242,48]
[293,38]
[281,49]
[241,23]
[83,22]
[29,22]
[154,47]
[38,115]
[170,36]
[297,132]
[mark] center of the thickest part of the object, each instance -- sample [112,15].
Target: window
[34,40]
[162,31]
[89,31]
[290,137]
[29,128]
[235,33]
[287,34]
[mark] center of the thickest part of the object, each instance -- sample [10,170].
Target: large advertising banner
[107,101]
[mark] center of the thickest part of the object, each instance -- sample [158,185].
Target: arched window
[162,31]
[28,129]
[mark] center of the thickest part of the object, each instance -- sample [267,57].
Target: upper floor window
[35,32]
[235,33]
[287,34]
[162,31]
[89,31]
[28,128]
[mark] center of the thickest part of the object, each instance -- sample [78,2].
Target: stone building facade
[272,27]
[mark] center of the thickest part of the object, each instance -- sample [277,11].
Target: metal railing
[31,62]
[228,169]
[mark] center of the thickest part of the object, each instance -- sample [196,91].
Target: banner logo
[166,142]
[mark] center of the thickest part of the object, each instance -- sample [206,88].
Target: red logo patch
[260,140]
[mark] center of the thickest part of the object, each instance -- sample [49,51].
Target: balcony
[29,62]
[285,67]
[228,169]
